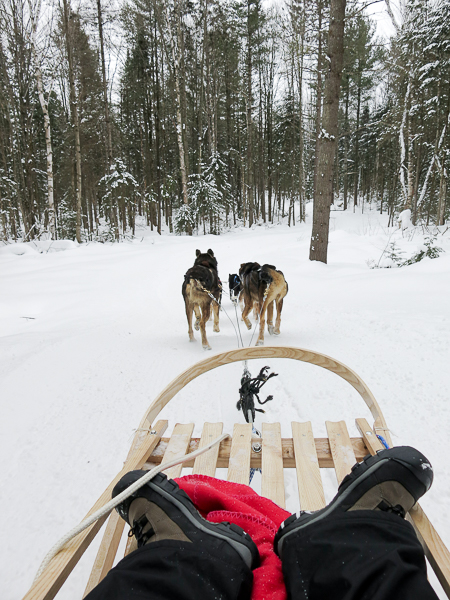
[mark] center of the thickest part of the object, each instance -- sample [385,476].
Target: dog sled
[238,453]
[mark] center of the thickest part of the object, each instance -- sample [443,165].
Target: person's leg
[356,556]
[180,555]
[174,570]
[360,547]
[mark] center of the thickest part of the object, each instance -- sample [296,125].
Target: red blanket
[219,500]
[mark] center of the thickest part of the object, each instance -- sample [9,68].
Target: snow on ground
[89,335]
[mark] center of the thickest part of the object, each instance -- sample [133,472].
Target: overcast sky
[380,15]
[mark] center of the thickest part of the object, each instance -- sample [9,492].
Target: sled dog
[234,285]
[201,289]
[262,287]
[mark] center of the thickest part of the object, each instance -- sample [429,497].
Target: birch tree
[35,9]
[74,114]
[173,46]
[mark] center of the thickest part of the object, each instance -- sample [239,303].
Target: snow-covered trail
[106,331]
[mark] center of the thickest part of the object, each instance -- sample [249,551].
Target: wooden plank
[114,528]
[434,548]
[371,441]
[287,447]
[177,447]
[310,488]
[341,448]
[107,551]
[206,464]
[50,581]
[272,481]
[239,463]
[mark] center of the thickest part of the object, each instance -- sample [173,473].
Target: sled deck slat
[239,464]
[206,464]
[368,435]
[341,448]
[107,551]
[272,481]
[310,488]
[435,549]
[177,447]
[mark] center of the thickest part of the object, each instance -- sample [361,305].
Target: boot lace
[138,531]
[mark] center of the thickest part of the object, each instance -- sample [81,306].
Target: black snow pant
[360,555]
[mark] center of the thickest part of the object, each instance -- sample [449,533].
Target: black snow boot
[392,481]
[160,510]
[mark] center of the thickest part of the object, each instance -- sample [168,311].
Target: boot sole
[168,489]
[357,477]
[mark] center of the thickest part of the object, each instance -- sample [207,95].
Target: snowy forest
[196,115]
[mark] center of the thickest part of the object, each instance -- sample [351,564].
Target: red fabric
[219,500]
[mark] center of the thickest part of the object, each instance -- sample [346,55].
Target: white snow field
[90,334]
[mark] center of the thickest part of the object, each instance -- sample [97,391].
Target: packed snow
[91,334]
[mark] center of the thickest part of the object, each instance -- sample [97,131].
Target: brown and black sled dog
[262,287]
[198,281]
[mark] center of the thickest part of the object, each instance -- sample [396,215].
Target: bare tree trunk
[249,119]
[261,186]
[383,179]
[416,186]
[75,119]
[174,54]
[300,62]
[292,95]
[328,137]
[346,148]
[443,175]
[34,15]
[318,96]
[182,83]
[209,115]
[409,197]
[269,125]
[202,91]
[229,137]
[176,66]
[3,214]
[109,150]
[442,194]
[356,161]
[156,88]
[402,140]
[108,136]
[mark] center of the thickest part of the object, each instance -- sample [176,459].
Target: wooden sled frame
[303,452]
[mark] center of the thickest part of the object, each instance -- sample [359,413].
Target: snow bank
[54,245]
[17,249]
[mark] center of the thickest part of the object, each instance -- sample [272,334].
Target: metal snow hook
[249,390]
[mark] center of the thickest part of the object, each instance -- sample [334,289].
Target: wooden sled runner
[304,453]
